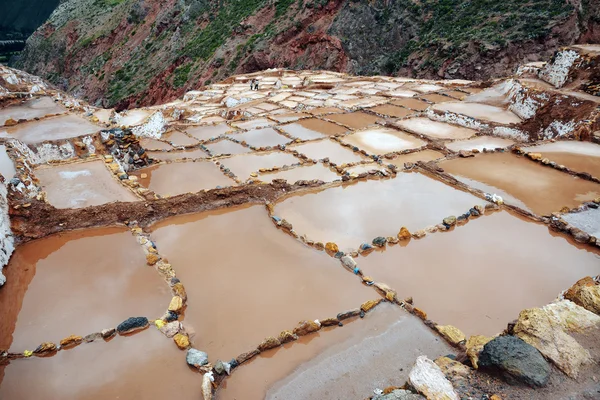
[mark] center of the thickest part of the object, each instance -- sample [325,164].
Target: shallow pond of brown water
[206,132]
[153,144]
[265,137]
[225,146]
[30,109]
[312,128]
[578,156]
[53,128]
[355,120]
[479,276]
[176,155]
[542,189]
[76,283]
[247,280]
[245,164]
[480,111]
[392,111]
[302,173]
[80,185]
[183,177]
[423,155]
[336,153]
[346,362]
[351,214]
[145,365]
[413,104]
[177,138]
[380,141]
[435,129]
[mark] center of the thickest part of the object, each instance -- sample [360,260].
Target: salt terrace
[325,236]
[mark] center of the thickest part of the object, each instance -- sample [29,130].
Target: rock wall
[6,237]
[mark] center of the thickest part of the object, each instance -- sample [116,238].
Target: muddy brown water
[380,141]
[225,146]
[302,173]
[479,143]
[413,104]
[7,166]
[253,124]
[177,138]
[480,111]
[206,132]
[153,144]
[346,362]
[288,117]
[336,153]
[265,137]
[145,365]
[183,177]
[578,156]
[355,120]
[326,110]
[482,274]
[543,190]
[80,185]
[175,155]
[435,129]
[435,98]
[245,164]
[30,109]
[247,280]
[350,214]
[53,128]
[76,283]
[312,128]
[392,111]
[423,155]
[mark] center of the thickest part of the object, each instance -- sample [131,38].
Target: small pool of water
[302,173]
[380,141]
[76,283]
[479,143]
[544,190]
[392,111]
[206,132]
[312,128]
[245,164]
[351,214]
[80,185]
[53,128]
[578,156]
[30,109]
[480,111]
[458,277]
[260,138]
[182,177]
[235,263]
[336,153]
[355,120]
[435,129]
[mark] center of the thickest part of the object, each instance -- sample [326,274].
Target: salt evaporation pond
[52,128]
[479,143]
[80,185]
[435,129]
[348,362]
[382,141]
[542,189]
[349,215]
[481,275]
[107,281]
[335,152]
[265,281]
[578,156]
[30,109]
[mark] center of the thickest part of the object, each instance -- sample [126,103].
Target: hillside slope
[129,53]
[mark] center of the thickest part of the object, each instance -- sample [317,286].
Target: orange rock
[182,341]
[269,343]
[573,290]
[332,247]
[404,234]
[287,336]
[176,304]
[420,313]
[306,327]
[72,340]
[368,305]
[179,290]
[10,122]
[151,258]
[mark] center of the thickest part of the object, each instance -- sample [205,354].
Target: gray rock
[348,262]
[196,358]
[450,221]
[399,394]
[379,241]
[222,367]
[132,324]
[516,360]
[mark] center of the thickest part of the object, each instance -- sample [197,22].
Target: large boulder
[547,329]
[429,380]
[516,360]
[585,293]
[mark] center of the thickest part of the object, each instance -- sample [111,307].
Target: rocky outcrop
[547,329]
[515,360]
[429,380]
